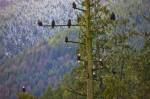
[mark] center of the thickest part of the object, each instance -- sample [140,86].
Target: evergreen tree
[48,94]
[122,67]
[25,95]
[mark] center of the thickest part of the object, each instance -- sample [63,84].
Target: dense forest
[116,42]
[121,40]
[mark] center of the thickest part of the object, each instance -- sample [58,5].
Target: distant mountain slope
[5,3]
[30,55]
[18,24]
[36,68]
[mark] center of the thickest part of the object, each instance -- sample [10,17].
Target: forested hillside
[32,56]
[120,54]
[40,58]
[36,68]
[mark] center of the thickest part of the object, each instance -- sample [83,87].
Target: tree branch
[74,91]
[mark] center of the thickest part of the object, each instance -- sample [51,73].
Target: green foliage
[125,71]
[125,68]
[62,92]
[48,94]
[25,95]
